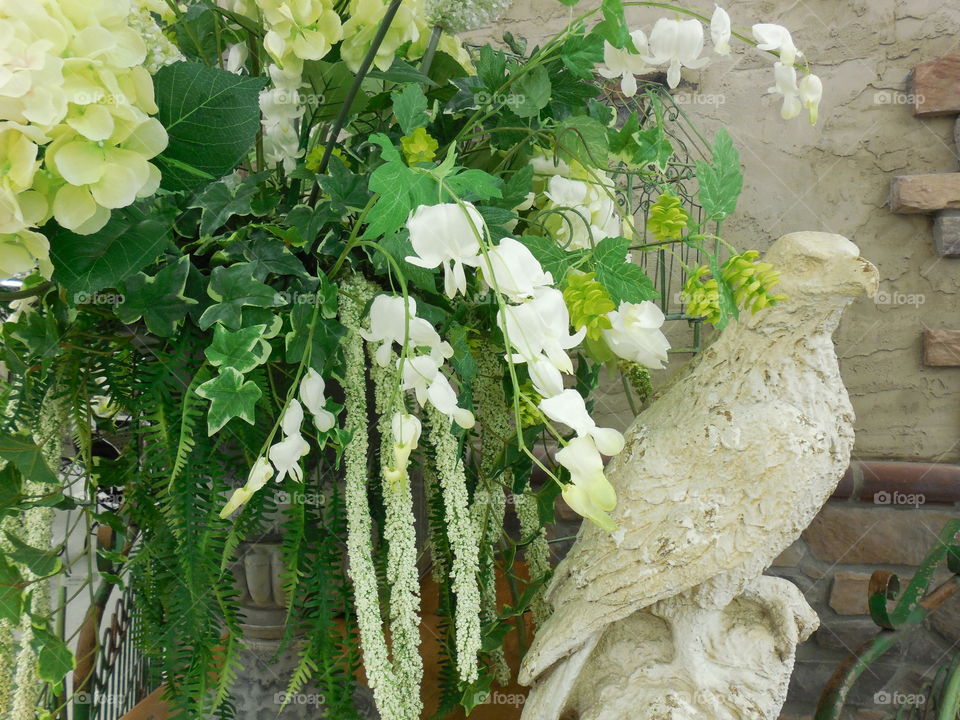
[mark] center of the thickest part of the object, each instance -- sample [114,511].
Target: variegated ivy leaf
[234,288]
[242,350]
[230,396]
[159,300]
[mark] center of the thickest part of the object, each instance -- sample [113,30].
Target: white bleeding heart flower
[590,493]
[260,475]
[541,327]
[292,419]
[512,269]
[811,92]
[785,79]
[311,393]
[625,64]
[720,31]
[547,380]
[676,43]
[635,334]
[285,456]
[389,325]
[448,235]
[569,408]
[406,436]
[422,375]
[776,38]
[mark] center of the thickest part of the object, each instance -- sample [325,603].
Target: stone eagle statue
[668,616]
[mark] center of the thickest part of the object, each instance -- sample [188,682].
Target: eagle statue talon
[671,618]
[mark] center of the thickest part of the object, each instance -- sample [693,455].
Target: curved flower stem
[354,89]
[34,291]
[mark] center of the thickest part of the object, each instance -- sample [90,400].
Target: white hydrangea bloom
[457,16]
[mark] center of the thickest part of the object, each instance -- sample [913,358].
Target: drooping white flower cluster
[458,16]
[577,206]
[393,320]
[73,82]
[160,49]
[678,44]
[284,455]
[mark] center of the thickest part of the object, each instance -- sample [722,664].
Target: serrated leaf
[580,53]
[398,246]
[720,181]
[39,561]
[268,255]
[531,93]
[583,139]
[230,396]
[212,117]
[159,300]
[624,281]
[11,593]
[233,288]
[553,258]
[613,28]
[474,184]
[410,108]
[462,360]
[54,659]
[24,454]
[241,349]
[131,240]
[728,305]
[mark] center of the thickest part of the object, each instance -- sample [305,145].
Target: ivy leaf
[721,181]
[399,247]
[268,255]
[234,288]
[11,593]
[159,300]
[531,93]
[580,53]
[40,562]
[22,452]
[583,139]
[613,28]
[212,117]
[410,107]
[222,200]
[326,339]
[346,190]
[54,659]
[230,396]
[624,281]
[462,361]
[241,349]
[131,240]
[517,187]
[553,258]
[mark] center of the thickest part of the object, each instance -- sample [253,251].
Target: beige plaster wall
[835,177]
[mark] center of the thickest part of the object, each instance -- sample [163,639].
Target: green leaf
[221,200]
[410,107]
[22,452]
[614,27]
[234,288]
[54,659]
[580,53]
[398,246]
[326,339]
[721,181]
[640,148]
[131,240]
[159,300]
[268,255]
[390,153]
[40,562]
[241,350]
[212,117]
[728,305]
[330,84]
[462,361]
[531,93]
[517,187]
[11,593]
[553,258]
[401,72]
[583,139]
[624,281]
[230,396]
[474,184]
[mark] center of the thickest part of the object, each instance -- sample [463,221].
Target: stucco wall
[835,177]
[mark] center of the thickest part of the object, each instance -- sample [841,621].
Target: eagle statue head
[814,265]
